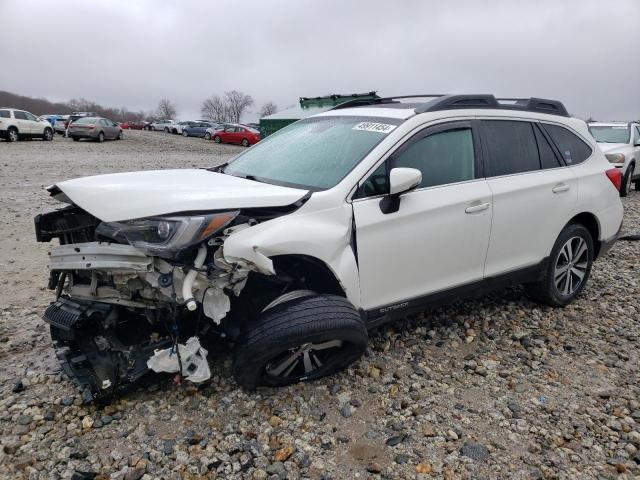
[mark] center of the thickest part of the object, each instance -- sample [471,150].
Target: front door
[439,236]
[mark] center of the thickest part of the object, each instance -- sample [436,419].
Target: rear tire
[245,142]
[75,139]
[101,137]
[166,130]
[12,135]
[185,134]
[217,139]
[303,339]
[120,135]
[625,188]
[568,269]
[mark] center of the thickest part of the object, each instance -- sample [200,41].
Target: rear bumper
[77,134]
[607,244]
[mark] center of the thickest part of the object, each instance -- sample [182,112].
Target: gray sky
[132,53]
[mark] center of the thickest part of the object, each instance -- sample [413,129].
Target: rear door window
[573,149]
[548,158]
[19,115]
[511,147]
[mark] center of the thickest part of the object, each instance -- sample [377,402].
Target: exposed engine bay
[139,295]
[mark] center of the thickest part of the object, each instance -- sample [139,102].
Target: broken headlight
[165,236]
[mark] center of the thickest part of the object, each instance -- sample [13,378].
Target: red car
[124,125]
[136,125]
[238,134]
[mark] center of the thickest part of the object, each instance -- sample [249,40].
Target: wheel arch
[591,223]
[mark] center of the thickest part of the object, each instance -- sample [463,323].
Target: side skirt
[380,315]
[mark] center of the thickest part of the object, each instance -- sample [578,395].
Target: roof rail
[451,102]
[377,101]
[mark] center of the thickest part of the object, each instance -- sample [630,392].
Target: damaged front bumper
[120,312]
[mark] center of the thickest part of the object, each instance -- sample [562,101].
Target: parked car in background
[95,128]
[255,126]
[75,116]
[620,142]
[162,125]
[124,125]
[196,129]
[238,134]
[61,124]
[136,125]
[177,127]
[215,127]
[18,124]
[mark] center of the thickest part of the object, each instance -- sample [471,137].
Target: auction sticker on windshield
[374,127]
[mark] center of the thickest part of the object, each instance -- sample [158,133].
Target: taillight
[615,175]
[92,127]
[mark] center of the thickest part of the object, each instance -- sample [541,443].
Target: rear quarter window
[5,114]
[572,148]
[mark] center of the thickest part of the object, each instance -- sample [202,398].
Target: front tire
[48,135]
[569,268]
[217,139]
[625,188]
[166,130]
[75,139]
[207,136]
[185,134]
[303,339]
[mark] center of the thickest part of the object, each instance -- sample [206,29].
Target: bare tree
[236,103]
[214,109]
[166,109]
[267,109]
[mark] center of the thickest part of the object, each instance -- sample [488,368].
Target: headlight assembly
[166,236]
[615,157]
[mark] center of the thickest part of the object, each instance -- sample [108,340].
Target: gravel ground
[497,387]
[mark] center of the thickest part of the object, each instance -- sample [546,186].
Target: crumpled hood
[125,196]
[611,147]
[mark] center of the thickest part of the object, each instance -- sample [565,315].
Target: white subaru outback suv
[18,124]
[297,247]
[621,144]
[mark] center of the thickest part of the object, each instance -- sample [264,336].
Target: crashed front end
[137,295]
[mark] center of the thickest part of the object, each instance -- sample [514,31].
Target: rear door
[534,193]
[21,121]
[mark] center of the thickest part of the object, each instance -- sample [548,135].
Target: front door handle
[561,187]
[477,208]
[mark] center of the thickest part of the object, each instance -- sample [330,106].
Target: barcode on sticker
[374,127]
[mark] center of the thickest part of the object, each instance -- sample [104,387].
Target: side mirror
[401,180]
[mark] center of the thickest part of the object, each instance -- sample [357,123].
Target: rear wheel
[166,130]
[101,137]
[217,139]
[245,142]
[12,134]
[185,133]
[75,139]
[48,135]
[568,270]
[302,339]
[625,188]
[120,135]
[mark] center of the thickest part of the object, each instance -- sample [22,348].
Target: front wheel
[207,136]
[568,270]
[625,188]
[185,133]
[166,130]
[48,135]
[217,139]
[303,339]
[75,139]
[120,135]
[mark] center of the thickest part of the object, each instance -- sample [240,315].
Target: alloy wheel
[303,360]
[571,266]
[13,135]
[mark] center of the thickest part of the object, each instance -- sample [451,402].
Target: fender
[324,234]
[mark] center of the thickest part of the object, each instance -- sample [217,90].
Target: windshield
[610,134]
[315,153]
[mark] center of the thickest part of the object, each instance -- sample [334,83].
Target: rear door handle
[477,208]
[561,187]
